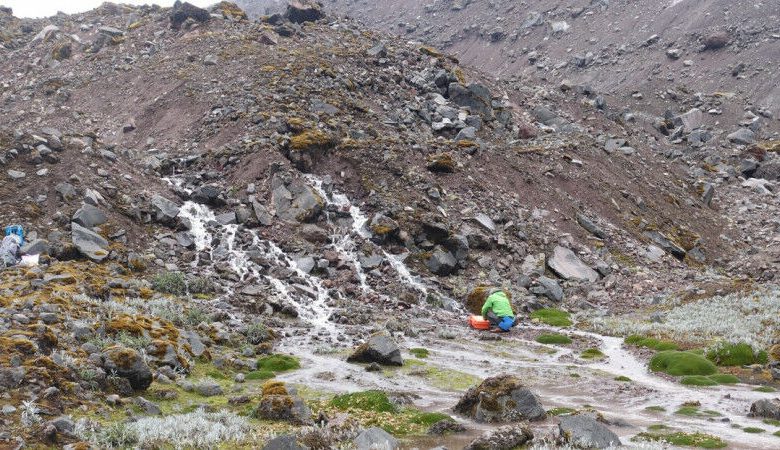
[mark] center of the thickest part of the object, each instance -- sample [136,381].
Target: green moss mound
[622,378]
[724,378]
[754,430]
[776,433]
[773,422]
[421,353]
[655,408]
[681,363]
[552,316]
[698,380]
[701,440]
[693,411]
[553,339]
[740,354]
[592,353]
[652,343]
[375,401]
[278,363]
[259,375]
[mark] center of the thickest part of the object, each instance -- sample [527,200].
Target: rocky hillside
[219,201]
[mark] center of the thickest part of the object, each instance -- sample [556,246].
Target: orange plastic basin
[479,323]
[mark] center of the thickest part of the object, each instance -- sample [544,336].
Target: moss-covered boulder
[127,363]
[281,402]
[501,399]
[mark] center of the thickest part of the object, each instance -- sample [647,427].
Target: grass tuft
[592,353]
[260,375]
[278,363]
[739,354]
[622,378]
[652,343]
[680,438]
[421,353]
[376,401]
[753,430]
[764,389]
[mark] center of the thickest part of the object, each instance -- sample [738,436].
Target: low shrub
[681,363]
[172,283]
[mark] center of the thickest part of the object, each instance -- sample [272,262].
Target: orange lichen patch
[311,139]
[17,345]
[143,326]
[273,387]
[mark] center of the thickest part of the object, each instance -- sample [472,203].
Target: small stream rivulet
[546,371]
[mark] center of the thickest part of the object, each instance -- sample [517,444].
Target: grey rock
[466,134]
[300,11]
[379,348]
[568,266]
[111,31]
[475,96]
[64,424]
[210,60]
[89,243]
[442,262]
[264,218]
[585,431]
[36,247]
[208,388]
[208,194]
[375,438]
[89,216]
[165,211]
[743,136]
[228,218]
[662,241]
[485,222]
[147,406]
[66,191]
[504,438]
[195,343]
[305,264]
[547,287]
[16,175]
[284,442]
[183,11]
[591,226]
[765,408]
[127,364]
[297,202]
[533,265]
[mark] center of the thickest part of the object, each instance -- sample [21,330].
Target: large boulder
[743,136]
[297,201]
[502,438]
[568,266]
[376,439]
[89,243]
[183,11]
[165,211]
[89,216]
[768,409]
[208,194]
[442,262]
[501,399]
[475,96]
[300,11]
[379,348]
[281,402]
[581,430]
[128,364]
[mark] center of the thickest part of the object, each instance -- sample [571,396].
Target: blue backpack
[17,230]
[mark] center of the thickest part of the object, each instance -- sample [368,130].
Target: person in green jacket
[498,310]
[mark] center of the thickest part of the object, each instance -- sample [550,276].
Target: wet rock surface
[501,399]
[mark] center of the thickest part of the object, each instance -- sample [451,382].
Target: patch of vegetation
[552,316]
[655,408]
[561,411]
[774,422]
[622,378]
[421,353]
[375,401]
[701,440]
[427,418]
[657,426]
[764,389]
[681,363]
[693,411]
[553,338]
[257,333]
[739,354]
[196,315]
[652,343]
[724,378]
[172,283]
[260,375]
[451,379]
[776,433]
[754,430]
[698,380]
[278,363]
[592,353]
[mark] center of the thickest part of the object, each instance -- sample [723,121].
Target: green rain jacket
[498,302]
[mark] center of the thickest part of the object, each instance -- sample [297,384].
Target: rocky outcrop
[300,11]
[501,399]
[296,201]
[379,348]
[183,11]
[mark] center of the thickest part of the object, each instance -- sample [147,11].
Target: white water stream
[547,373]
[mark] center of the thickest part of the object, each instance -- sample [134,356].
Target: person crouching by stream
[498,311]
